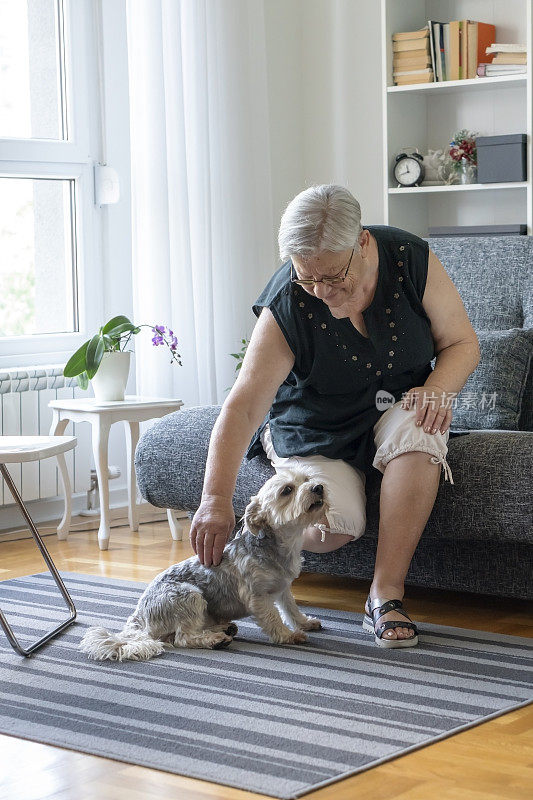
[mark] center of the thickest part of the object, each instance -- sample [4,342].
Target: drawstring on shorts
[445,466]
[323,528]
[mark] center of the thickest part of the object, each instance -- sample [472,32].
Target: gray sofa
[479,537]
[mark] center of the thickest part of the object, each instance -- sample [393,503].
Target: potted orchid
[104,361]
[463,153]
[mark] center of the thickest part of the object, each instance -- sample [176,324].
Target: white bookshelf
[471,187]
[471,85]
[427,116]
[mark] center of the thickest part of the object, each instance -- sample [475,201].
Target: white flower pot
[110,381]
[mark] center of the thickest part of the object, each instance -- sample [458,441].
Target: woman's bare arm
[456,346]
[456,343]
[266,364]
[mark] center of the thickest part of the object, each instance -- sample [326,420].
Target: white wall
[284,26]
[324,77]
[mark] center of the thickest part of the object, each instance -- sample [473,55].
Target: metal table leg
[46,555]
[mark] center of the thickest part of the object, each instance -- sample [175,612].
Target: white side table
[130,411]
[16,450]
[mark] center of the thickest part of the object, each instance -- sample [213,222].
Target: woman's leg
[312,539]
[410,460]
[345,487]
[408,491]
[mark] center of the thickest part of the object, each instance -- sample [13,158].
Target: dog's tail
[128,645]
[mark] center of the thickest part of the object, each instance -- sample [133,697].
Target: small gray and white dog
[191,605]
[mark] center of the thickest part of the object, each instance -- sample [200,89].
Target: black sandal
[380,606]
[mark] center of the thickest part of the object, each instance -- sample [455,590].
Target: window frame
[73,159]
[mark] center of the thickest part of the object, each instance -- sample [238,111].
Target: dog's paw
[298,637]
[218,640]
[294,637]
[227,640]
[231,630]
[311,624]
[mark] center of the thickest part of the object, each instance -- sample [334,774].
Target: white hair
[326,217]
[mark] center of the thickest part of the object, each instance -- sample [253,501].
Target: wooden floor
[493,761]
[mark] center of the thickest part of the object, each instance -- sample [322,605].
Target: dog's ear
[255,518]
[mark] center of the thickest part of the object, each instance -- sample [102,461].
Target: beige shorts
[395,433]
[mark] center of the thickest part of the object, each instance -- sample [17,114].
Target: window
[50,139]
[38,292]
[32,64]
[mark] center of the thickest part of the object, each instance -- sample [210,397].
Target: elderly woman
[337,377]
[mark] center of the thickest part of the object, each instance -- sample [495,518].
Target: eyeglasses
[329,281]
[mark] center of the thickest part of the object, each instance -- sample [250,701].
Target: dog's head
[288,497]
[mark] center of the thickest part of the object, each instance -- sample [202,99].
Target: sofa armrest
[171,456]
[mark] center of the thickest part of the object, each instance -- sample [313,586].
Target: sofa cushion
[493,275]
[492,396]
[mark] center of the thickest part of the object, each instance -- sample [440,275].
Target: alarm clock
[409,169]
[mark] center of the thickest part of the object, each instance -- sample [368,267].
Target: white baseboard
[46,514]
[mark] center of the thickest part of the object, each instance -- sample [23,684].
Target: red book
[480,36]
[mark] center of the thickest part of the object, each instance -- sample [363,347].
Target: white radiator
[24,396]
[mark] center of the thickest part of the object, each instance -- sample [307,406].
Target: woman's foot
[381,606]
[391,633]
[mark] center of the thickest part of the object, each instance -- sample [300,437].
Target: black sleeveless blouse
[327,404]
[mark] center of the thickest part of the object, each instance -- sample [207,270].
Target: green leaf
[120,330]
[95,353]
[83,380]
[76,363]
[113,323]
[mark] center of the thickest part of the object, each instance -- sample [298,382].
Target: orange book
[480,36]
[486,36]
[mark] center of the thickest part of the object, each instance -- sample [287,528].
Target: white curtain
[203,229]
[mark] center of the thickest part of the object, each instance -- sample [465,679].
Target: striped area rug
[277,720]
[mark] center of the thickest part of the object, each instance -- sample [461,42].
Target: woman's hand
[210,529]
[433,407]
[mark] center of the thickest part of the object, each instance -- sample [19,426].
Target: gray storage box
[501,159]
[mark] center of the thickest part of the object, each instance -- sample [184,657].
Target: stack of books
[457,47]
[507,59]
[411,57]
